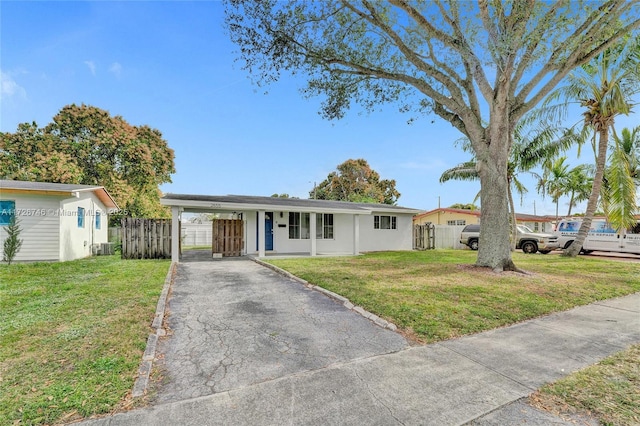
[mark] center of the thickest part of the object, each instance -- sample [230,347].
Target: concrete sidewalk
[479,379]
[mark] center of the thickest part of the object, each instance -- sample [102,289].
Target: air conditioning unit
[106,248]
[95,249]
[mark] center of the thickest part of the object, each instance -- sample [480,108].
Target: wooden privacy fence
[146,238]
[424,236]
[227,237]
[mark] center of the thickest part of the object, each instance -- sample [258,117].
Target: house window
[536,226]
[461,222]
[299,226]
[7,211]
[385,222]
[324,226]
[98,219]
[80,217]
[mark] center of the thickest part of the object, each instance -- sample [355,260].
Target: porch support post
[261,246]
[356,234]
[312,218]
[175,234]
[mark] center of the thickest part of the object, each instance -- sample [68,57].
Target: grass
[436,295]
[609,390]
[72,335]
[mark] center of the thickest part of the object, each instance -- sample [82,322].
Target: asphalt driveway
[235,323]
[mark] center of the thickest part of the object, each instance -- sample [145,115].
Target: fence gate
[424,236]
[227,237]
[146,238]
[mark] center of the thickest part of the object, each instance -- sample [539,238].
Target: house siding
[38,220]
[400,238]
[76,242]
[370,239]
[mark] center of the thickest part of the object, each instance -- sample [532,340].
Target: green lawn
[437,294]
[609,390]
[72,335]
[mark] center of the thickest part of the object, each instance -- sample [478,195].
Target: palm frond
[463,171]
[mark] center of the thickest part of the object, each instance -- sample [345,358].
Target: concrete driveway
[235,323]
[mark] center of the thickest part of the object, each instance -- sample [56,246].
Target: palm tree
[555,180]
[579,184]
[621,180]
[630,144]
[604,87]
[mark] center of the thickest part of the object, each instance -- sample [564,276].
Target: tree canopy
[86,145]
[356,181]
[478,65]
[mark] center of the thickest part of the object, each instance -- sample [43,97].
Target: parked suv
[528,241]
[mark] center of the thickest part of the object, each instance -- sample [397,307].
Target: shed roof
[59,188]
[239,202]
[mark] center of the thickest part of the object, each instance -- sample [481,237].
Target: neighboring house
[448,216]
[59,222]
[296,226]
[462,217]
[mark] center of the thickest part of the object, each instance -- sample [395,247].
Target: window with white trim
[299,226]
[456,222]
[385,222]
[324,226]
[98,220]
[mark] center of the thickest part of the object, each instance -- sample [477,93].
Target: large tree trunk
[603,141]
[494,249]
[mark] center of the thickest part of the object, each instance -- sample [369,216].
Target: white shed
[295,226]
[59,222]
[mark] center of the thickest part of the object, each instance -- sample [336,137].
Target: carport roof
[247,202]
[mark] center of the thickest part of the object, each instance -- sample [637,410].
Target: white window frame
[324,226]
[300,227]
[391,224]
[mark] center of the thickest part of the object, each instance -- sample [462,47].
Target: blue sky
[171,66]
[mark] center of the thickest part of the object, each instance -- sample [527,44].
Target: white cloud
[9,87]
[115,69]
[92,66]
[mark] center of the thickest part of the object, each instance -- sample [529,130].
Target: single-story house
[461,217]
[296,226]
[58,221]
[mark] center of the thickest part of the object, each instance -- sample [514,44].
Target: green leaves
[86,145]
[355,181]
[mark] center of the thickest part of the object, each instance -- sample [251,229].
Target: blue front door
[268,231]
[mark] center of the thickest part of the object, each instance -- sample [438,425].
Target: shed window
[80,217]
[98,220]
[7,211]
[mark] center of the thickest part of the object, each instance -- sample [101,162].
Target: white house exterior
[58,222]
[295,226]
